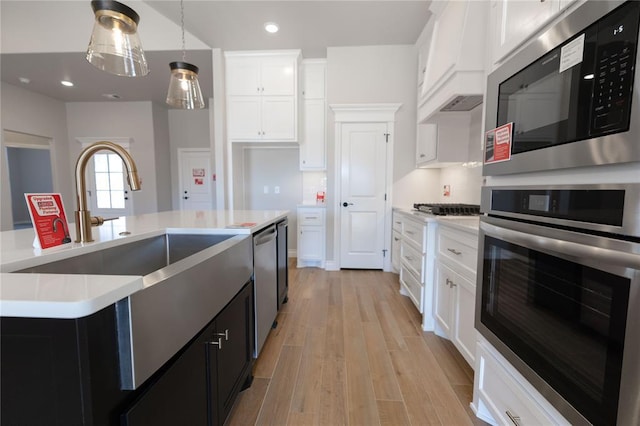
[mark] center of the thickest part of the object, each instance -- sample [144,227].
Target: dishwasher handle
[265,236]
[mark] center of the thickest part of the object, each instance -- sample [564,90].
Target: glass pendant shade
[184,88]
[115,45]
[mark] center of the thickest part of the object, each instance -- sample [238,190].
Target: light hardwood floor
[349,350]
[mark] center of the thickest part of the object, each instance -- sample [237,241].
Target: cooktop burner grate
[448,209]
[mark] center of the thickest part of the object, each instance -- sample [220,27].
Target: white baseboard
[331,265]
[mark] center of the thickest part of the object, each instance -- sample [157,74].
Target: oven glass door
[565,319]
[551,106]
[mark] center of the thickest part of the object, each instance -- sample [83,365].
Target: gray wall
[373,74]
[121,119]
[162,151]
[187,129]
[27,112]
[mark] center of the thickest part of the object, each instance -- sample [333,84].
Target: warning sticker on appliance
[571,54]
[497,144]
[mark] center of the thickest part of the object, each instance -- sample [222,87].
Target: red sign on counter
[49,220]
[497,144]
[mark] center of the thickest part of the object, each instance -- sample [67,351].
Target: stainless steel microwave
[570,94]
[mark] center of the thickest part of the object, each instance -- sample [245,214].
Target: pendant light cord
[184,51]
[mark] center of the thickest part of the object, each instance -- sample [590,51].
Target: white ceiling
[310,25]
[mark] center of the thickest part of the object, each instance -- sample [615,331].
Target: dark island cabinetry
[67,372]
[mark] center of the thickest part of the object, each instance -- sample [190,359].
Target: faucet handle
[97,220]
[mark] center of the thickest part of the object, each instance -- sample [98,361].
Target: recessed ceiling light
[24,80]
[66,83]
[111,95]
[271,27]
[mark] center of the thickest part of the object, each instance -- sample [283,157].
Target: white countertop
[463,223]
[74,296]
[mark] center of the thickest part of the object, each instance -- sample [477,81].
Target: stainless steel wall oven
[570,93]
[559,294]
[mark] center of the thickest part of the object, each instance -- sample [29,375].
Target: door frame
[124,142]
[16,139]
[362,113]
[183,151]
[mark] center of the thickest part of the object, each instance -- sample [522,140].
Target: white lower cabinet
[455,289]
[311,236]
[413,254]
[454,310]
[503,397]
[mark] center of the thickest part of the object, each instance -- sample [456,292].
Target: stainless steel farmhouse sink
[135,258]
[187,280]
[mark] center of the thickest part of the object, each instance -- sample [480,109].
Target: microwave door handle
[580,251]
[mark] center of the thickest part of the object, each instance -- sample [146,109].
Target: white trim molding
[123,141]
[362,113]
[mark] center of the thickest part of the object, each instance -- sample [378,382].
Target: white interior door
[363,180]
[195,180]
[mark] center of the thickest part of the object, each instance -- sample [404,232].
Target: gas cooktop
[449,209]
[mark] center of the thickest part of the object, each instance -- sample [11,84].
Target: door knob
[186,198]
[345,204]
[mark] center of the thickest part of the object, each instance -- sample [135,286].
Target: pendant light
[115,46]
[184,88]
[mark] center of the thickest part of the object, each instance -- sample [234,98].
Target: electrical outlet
[276,189]
[266,189]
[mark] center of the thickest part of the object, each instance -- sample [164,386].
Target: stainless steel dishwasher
[265,270]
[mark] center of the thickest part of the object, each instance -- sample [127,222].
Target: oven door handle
[530,239]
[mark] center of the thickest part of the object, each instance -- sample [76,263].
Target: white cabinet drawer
[412,285]
[413,232]
[412,258]
[311,216]
[505,397]
[459,248]
[397,223]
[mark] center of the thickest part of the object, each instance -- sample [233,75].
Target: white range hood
[454,78]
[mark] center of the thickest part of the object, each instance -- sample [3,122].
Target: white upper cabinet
[262,101]
[515,21]
[314,78]
[272,75]
[313,140]
[443,144]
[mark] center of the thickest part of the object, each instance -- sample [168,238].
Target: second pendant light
[184,88]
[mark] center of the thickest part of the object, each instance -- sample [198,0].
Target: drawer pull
[225,334]
[454,251]
[515,419]
[396,239]
[409,258]
[311,217]
[399,223]
[410,233]
[218,343]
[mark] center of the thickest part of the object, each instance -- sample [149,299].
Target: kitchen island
[174,344]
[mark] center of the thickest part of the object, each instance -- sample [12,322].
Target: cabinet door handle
[422,155]
[409,258]
[515,419]
[225,335]
[396,239]
[457,253]
[217,343]
[399,223]
[450,283]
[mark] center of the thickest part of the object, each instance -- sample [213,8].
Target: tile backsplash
[312,183]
